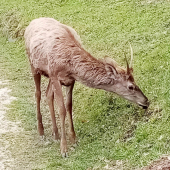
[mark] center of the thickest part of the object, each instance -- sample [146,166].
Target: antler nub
[128,69]
[131,61]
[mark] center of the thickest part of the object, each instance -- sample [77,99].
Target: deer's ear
[111,71]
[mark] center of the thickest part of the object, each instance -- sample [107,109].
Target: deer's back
[50,44]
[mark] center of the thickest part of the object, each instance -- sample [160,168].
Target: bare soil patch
[6,127]
[161,164]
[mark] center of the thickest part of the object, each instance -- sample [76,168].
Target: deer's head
[123,82]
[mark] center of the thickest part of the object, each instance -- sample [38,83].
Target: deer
[55,51]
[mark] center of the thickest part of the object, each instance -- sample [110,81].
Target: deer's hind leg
[50,100]
[37,80]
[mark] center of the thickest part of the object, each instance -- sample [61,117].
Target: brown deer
[55,51]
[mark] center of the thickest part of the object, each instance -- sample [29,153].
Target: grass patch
[109,129]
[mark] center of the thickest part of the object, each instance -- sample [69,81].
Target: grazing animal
[55,51]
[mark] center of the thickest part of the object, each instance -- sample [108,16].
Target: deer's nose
[147,104]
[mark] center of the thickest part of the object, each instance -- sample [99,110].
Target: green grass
[108,127]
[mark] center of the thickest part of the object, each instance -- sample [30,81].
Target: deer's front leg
[62,112]
[69,103]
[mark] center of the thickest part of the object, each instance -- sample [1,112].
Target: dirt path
[6,127]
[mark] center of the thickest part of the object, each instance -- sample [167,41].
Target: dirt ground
[161,164]
[6,127]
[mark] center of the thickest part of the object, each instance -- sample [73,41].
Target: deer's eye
[131,87]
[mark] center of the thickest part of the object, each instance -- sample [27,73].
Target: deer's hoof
[65,155]
[42,138]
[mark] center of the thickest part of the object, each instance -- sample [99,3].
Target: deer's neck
[90,71]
